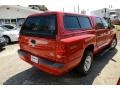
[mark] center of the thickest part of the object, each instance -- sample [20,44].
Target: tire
[7,39]
[86,63]
[113,43]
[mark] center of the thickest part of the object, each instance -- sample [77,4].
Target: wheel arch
[90,47]
[114,36]
[7,37]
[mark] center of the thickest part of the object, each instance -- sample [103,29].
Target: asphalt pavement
[14,71]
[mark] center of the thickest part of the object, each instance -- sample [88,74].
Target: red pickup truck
[57,42]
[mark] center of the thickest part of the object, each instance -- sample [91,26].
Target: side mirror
[111,26]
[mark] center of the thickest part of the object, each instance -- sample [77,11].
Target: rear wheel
[86,63]
[7,39]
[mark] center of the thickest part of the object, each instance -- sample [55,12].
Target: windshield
[40,26]
[3,28]
[8,26]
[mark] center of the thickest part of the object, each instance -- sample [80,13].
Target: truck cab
[57,42]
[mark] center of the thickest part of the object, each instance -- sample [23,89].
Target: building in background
[83,11]
[101,12]
[108,13]
[115,13]
[15,14]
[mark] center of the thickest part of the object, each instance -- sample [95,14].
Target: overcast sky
[68,5]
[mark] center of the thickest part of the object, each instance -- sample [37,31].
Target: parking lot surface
[14,71]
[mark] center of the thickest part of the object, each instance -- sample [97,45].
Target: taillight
[60,50]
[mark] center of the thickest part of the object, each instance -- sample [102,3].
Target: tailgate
[40,47]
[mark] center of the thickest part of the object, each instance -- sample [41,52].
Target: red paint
[68,46]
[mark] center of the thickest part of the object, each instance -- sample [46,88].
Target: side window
[84,22]
[104,23]
[71,22]
[99,23]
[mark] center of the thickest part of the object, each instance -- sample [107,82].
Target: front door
[107,31]
[100,33]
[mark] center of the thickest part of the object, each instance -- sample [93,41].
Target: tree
[38,7]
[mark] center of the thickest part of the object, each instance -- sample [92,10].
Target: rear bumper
[50,67]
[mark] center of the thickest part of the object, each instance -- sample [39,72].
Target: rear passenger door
[100,33]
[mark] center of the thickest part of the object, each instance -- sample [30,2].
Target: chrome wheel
[113,44]
[87,63]
[87,60]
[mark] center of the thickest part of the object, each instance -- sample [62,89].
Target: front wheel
[86,63]
[113,43]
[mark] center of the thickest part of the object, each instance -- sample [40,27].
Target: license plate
[34,59]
